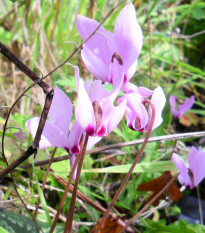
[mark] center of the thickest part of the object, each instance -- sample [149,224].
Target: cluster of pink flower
[111,58]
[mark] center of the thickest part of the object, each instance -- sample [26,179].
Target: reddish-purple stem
[67,187]
[68,225]
[131,169]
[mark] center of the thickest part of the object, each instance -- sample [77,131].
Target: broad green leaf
[16,223]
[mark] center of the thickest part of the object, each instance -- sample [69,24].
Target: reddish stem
[131,169]
[67,187]
[68,225]
[84,198]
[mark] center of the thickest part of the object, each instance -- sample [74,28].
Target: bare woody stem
[7,53]
[68,225]
[49,96]
[34,146]
[149,203]
[131,169]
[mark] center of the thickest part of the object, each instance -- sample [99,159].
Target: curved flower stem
[68,225]
[149,203]
[131,169]
[98,207]
[67,187]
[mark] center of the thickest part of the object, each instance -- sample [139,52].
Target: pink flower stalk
[191,176]
[56,130]
[95,111]
[104,47]
[138,118]
[182,108]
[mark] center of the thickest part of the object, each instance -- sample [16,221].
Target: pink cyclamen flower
[191,176]
[56,131]
[182,108]
[138,118]
[104,47]
[95,111]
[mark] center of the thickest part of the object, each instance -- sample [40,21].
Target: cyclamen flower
[193,175]
[95,111]
[182,108]
[137,116]
[56,130]
[103,47]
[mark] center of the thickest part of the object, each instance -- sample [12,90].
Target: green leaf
[197,13]
[16,223]
[141,167]
[5,36]
[67,82]
[2,230]
[179,226]
[41,195]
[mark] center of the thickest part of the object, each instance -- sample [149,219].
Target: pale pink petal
[60,112]
[130,71]
[84,110]
[92,141]
[116,116]
[192,155]
[72,161]
[173,108]
[128,36]
[98,42]
[140,117]
[87,86]
[98,91]
[137,116]
[144,92]
[95,53]
[158,99]
[107,107]
[111,116]
[94,64]
[186,106]
[197,165]
[51,136]
[183,177]
[74,138]
[116,76]
[129,87]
